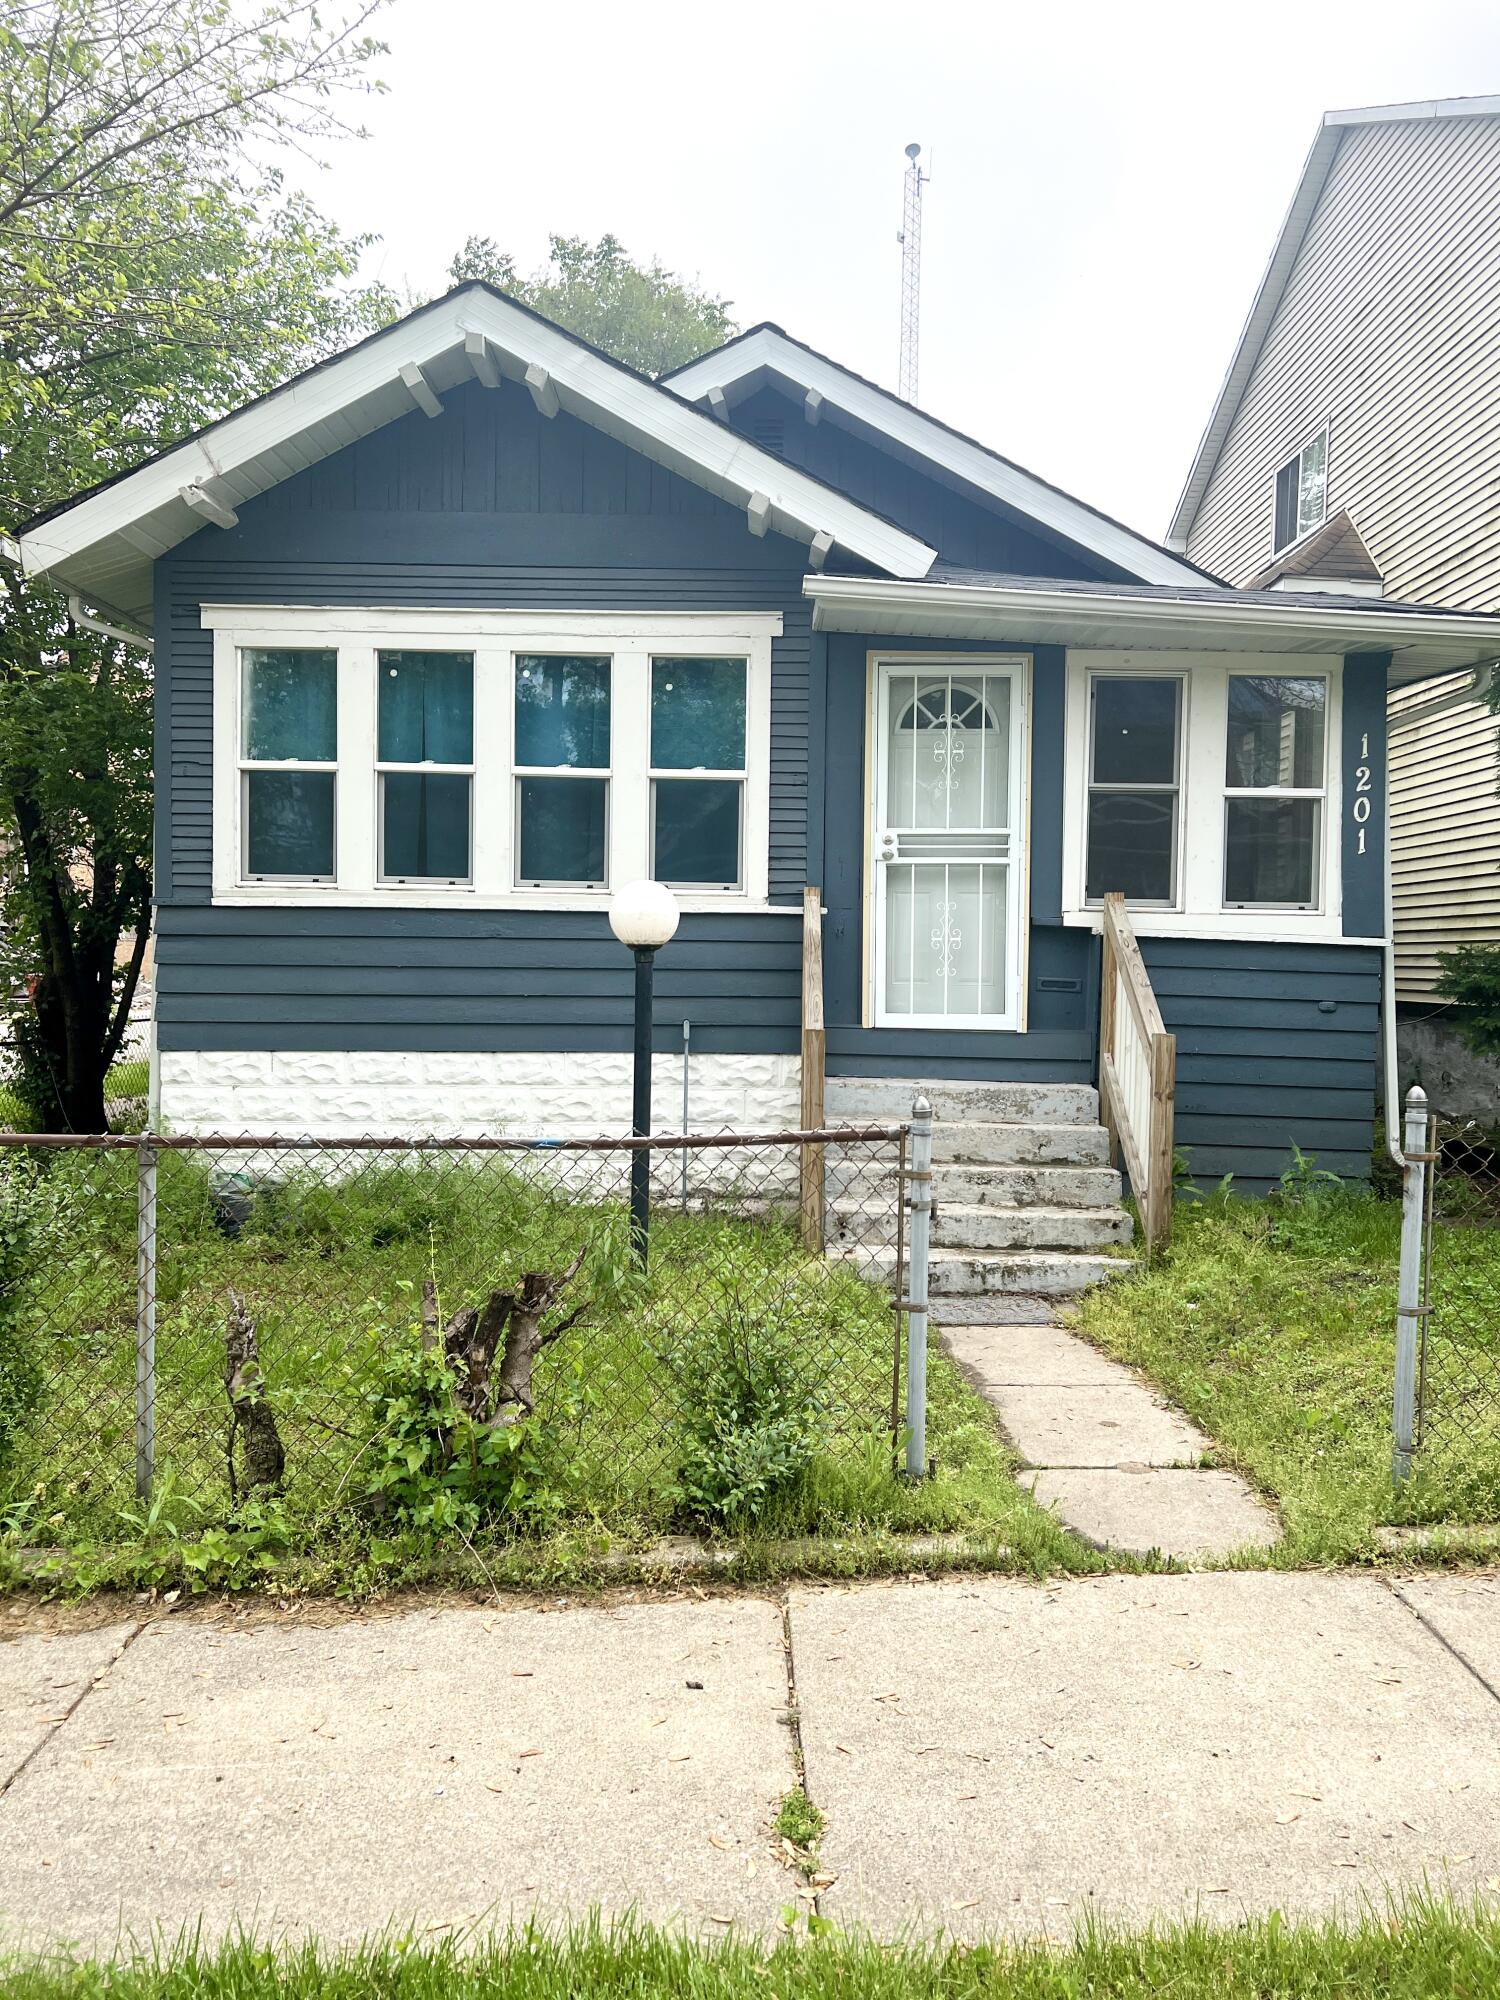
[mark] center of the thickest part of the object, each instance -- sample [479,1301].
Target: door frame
[1019,665]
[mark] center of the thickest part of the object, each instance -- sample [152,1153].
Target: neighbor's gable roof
[1315,172]
[767,353]
[104,542]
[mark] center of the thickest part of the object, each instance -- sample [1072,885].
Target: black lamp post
[643,916]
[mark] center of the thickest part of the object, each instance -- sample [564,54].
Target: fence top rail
[250,1142]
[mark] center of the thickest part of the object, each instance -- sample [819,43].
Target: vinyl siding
[1389,331]
[1445,836]
[1276,1046]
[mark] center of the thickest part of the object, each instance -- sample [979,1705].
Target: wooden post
[1158,1204]
[1108,1046]
[814,1050]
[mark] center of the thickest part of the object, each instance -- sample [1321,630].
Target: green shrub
[1470,977]
[432,1466]
[749,1427]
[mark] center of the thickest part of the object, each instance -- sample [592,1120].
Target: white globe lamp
[644,916]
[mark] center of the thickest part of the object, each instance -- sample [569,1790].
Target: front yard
[1273,1324]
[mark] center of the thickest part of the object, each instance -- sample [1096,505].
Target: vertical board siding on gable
[1277,1044]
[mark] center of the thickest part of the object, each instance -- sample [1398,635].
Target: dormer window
[1302,492]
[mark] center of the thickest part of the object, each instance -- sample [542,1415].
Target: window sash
[1293,517]
[1315,795]
[1111,787]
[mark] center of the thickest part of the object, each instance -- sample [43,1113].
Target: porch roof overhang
[1421,641]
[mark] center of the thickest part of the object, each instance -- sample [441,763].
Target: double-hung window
[1134,787]
[1302,493]
[562,752]
[698,772]
[288,763]
[425,763]
[503,758]
[1275,779]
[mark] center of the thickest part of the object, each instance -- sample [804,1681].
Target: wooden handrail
[814,1059]
[1149,1154]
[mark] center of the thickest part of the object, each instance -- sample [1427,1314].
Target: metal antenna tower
[910,240]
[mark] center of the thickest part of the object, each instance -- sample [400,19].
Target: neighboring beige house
[1355,445]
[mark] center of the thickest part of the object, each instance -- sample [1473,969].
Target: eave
[835,394]
[1421,643]
[105,543]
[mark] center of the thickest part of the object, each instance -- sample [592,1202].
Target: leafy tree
[149,281]
[643,314]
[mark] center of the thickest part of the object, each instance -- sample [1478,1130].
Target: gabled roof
[767,353]
[1284,251]
[1336,550]
[104,542]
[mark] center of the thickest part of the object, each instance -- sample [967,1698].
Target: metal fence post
[1409,1296]
[919,1180]
[145,1316]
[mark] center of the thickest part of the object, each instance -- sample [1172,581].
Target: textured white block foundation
[571,1095]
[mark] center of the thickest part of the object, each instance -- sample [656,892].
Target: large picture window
[1135,779]
[502,757]
[1275,760]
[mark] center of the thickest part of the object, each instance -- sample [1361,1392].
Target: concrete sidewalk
[990,1754]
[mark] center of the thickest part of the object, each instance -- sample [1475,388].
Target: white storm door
[948,853]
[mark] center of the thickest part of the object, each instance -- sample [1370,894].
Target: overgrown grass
[1273,1324]
[1422,1950]
[331,1270]
[125,1087]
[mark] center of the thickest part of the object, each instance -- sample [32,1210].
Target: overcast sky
[1107,179]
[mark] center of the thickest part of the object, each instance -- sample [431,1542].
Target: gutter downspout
[1388,992]
[81,617]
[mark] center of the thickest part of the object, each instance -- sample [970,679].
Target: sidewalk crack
[73,1707]
[794,1721]
[1443,1640]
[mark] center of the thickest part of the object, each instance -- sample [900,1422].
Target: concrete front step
[982,1142]
[987,1186]
[966,1273]
[966,1226]
[852,1099]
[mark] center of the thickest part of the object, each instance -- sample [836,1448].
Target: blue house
[470,624]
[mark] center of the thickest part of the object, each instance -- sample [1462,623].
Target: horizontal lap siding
[1445,836]
[489,506]
[430,980]
[1276,1045]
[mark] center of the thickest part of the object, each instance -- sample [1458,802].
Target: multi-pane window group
[1274,782]
[685,722]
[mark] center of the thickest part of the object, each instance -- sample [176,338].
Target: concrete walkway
[1118,1464]
[990,1754]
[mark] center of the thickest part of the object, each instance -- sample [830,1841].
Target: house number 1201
[1361,807]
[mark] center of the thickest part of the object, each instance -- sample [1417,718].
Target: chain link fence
[1447,1418]
[164,1298]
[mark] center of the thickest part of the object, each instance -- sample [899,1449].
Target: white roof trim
[1421,643]
[1310,183]
[837,389]
[127,524]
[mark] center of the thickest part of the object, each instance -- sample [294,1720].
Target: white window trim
[494,638]
[1295,458]
[1200,910]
